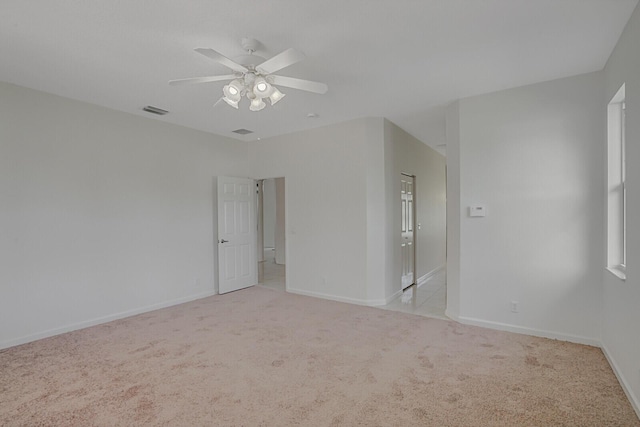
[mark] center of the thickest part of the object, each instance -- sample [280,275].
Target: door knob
[224,241]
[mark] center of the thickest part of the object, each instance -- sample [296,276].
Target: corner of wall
[377,264]
[622,379]
[453,209]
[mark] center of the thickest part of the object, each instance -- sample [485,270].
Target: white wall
[342,182]
[106,214]
[325,207]
[279,229]
[621,300]
[533,155]
[413,157]
[377,243]
[101,213]
[269,213]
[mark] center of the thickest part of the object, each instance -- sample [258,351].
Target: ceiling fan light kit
[257,104]
[276,95]
[255,82]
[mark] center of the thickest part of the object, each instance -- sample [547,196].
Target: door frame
[284,231]
[260,219]
[414,233]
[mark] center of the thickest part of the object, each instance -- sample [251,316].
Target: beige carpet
[259,357]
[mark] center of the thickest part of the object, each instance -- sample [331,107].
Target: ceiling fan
[253,76]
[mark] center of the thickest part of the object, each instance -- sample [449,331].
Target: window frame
[616,185]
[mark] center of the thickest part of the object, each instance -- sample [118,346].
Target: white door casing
[260,219]
[237,234]
[407,246]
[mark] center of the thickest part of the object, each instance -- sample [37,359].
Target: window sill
[618,271]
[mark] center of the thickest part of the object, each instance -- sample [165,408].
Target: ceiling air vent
[155,110]
[242,131]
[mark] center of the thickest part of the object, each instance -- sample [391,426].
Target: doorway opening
[423,291]
[271,233]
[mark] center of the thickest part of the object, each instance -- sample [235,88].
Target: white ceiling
[399,59]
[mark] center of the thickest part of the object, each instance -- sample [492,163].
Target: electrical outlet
[514,306]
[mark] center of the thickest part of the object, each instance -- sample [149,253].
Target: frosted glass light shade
[257,104]
[276,95]
[231,102]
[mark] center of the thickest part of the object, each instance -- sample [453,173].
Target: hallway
[427,300]
[270,274]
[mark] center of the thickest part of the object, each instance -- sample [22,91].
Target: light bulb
[261,88]
[232,91]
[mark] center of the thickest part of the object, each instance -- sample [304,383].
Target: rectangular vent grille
[242,131]
[155,110]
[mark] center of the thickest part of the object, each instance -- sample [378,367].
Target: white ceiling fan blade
[218,57]
[280,61]
[201,79]
[294,83]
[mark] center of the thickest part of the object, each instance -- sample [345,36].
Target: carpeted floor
[259,357]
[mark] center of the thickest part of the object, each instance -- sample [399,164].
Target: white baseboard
[104,319]
[451,315]
[370,303]
[424,278]
[635,402]
[529,331]
[392,297]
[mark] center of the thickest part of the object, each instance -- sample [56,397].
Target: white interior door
[237,234]
[408,247]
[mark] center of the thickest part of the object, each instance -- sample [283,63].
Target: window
[616,191]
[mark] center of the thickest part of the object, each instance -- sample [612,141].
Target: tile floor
[427,300]
[270,274]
